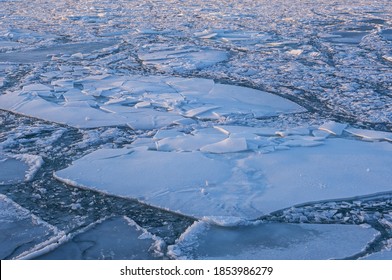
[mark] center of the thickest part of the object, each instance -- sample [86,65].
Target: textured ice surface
[180,58]
[22,233]
[339,168]
[106,63]
[140,102]
[18,168]
[370,135]
[219,182]
[11,170]
[271,241]
[113,239]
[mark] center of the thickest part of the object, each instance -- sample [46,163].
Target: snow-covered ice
[220,180]
[225,109]
[271,241]
[180,58]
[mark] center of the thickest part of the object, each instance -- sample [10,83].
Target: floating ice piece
[181,58]
[11,170]
[271,241]
[188,142]
[295,52]
[22,233]
[371,135]
[337,169]
[45,53]
[18,168]
[302,141]
[113,239]
[333,127]
[200,111]
[229,145]
[345,37]
[293,131]
[141,102]
[169,180]
[236,184]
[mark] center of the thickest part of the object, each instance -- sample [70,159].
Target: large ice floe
[22,233]
[193,164]
[204,240]
[140,102]
[223,180]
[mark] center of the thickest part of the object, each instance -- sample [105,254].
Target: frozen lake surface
[170,129]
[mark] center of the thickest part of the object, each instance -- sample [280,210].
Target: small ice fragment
[372,135]
[295,52]
[229,145]
[200,110]
[334,128]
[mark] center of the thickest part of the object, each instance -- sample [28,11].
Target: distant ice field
[170,129]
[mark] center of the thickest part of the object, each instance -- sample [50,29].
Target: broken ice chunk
[371,135]
[229,145]
[18,168]
[199,111]
[333,127]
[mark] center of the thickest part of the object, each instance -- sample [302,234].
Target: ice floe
[22,233]
[18,168]
[271,241]
[180,58]
[140,102]
[220,180]
[333,127]
[112,239]
[370,135]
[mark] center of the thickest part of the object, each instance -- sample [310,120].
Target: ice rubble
[140,102]
[18,168]
[22,233]
[245,175]
[180,58]
[115,238]
[270,241]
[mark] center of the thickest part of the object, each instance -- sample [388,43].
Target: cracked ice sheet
[271,241]
[113,239]
[18,168]
[181,58]
[22,233]
[140,102]
[244,185]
